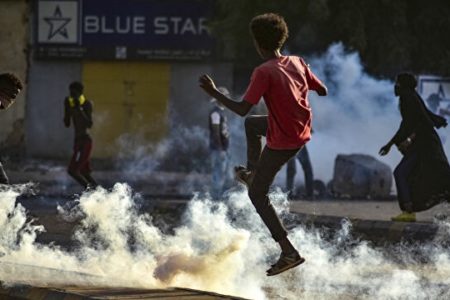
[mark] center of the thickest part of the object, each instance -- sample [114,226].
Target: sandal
[285,262]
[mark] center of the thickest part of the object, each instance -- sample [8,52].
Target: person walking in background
[284,82]
[219,139]
[422,177]
[10,87]
[291,170]
[78,111]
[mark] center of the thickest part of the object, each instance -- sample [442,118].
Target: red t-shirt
[284,83]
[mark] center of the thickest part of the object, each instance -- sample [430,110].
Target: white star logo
[57,24]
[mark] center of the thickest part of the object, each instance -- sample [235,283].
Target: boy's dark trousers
[266,165]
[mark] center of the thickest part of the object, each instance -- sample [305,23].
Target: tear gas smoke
[183,150]
[220,246]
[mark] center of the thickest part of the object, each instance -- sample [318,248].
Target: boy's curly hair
[11,80]
[269,30]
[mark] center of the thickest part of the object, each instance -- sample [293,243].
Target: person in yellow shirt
[78,112]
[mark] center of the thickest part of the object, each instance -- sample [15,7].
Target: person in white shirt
[218,144]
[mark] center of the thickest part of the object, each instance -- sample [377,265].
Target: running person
[10,87]
[284,82]
[422,177]
[79,110]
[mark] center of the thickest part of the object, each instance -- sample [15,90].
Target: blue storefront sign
[123,29]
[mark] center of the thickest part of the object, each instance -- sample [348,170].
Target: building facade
[139,61]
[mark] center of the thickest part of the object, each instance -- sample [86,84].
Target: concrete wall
[48,84]
[34,122]
[14,25]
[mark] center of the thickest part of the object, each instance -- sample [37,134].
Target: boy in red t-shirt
[284,82]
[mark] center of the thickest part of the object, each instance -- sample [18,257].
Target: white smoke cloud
[117,246]
[220,246]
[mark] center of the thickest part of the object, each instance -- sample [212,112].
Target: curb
[82,293]
[373,230]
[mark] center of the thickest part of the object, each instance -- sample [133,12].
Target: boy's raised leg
[255,129]
[270,163]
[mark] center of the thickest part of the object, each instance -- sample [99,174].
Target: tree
[390,36]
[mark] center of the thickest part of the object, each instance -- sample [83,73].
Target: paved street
[361,209]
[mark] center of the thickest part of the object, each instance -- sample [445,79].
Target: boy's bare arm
[241,108]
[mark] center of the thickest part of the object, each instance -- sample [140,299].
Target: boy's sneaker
[243,175]
[405,217]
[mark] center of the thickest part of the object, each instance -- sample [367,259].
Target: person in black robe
[423,175]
